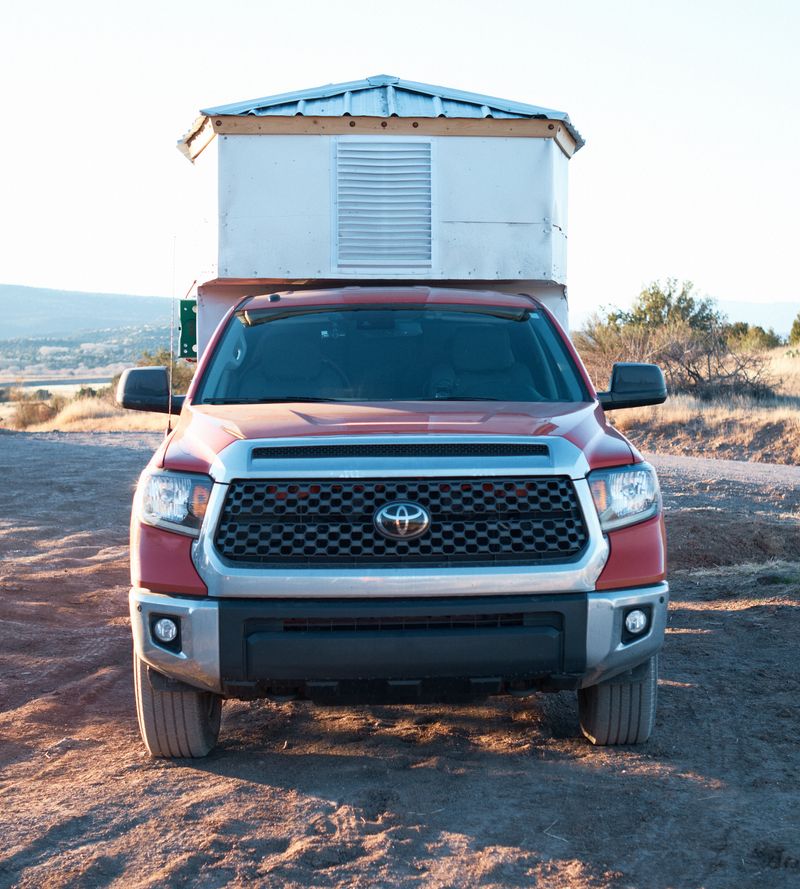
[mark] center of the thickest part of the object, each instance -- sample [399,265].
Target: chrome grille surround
[324,523]
[225,579]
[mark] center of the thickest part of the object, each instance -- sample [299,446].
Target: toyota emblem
[402,520]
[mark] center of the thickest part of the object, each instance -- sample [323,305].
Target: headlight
[626,495]
[173,500]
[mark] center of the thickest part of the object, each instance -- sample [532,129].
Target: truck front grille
[319,524]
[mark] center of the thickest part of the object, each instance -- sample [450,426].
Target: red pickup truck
[398,494]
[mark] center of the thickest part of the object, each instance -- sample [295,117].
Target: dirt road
[501,794]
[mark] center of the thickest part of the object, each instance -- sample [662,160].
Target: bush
[751,338]
[685,335]
[794,333]
[670,303]
[29,413]
[31,410]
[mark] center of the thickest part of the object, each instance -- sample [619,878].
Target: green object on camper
[188,340]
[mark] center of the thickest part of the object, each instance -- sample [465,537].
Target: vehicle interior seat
[291,365]
[483,365]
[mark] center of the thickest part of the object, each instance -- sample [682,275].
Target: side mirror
[634,385]
[147,389]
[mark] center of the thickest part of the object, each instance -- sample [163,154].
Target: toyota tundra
[404,494]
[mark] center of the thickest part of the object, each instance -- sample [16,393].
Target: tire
[175,723]
[621,710]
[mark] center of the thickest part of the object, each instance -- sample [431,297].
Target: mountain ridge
[50,312]
[47,312]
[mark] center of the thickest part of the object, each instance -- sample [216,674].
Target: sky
[689,110]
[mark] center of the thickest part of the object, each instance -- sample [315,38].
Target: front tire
[175,723]
[621,710]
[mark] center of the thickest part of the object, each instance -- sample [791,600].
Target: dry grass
[739,428]
[784,366]
[683,409]
[100,415]
[88,409]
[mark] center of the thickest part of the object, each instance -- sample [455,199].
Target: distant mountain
[777,315]
[36,311]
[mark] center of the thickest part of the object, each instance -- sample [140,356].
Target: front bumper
[323,648]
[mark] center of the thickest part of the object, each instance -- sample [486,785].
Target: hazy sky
[691,112]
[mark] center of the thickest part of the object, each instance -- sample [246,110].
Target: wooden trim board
[406,126]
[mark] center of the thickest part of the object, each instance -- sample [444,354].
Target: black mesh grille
[443,449]
[330,523]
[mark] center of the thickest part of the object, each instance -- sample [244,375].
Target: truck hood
[204,431]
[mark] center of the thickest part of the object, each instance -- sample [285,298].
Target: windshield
[399,353]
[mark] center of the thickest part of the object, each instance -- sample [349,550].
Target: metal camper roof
[380,96]
[387,96]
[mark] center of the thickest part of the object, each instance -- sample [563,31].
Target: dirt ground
[759,435]
[501,794]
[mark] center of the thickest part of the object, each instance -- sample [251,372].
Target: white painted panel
[559,256]
[499,209]
[275,206]
[488,250]
[560,191]
[277,246]
[495,179]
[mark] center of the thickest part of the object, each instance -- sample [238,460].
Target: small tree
[686,335]
[660,305]
[751,338]
[794,333]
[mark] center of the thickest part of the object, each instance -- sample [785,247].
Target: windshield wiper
[278,399]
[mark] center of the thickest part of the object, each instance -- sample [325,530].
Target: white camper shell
[383,181]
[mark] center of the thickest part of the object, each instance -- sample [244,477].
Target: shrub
[670,303]
[29,413]
[794,333]
[751,338]
[685,335]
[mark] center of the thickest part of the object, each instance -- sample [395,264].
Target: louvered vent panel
[383,193]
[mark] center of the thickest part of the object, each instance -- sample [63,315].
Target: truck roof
[404,295]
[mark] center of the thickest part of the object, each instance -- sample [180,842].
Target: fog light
[635,621]
[165,630]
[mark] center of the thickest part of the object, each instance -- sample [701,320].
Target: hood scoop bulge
[405,449]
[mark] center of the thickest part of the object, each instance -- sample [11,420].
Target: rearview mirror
[634,385]
[147,389]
